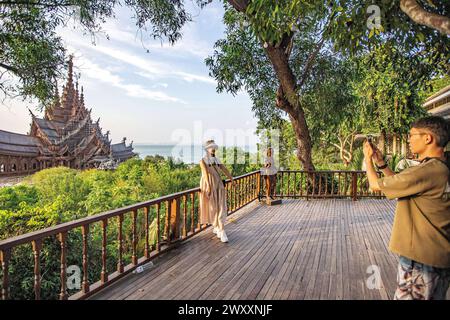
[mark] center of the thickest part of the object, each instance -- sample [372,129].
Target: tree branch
[310,61]
[9,68]
[239,5]
[281,101]
[423,17]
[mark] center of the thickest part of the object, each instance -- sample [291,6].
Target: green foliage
[270,20]
[358,160]
[350,33]
[388,94]
[32,54]
[57,195]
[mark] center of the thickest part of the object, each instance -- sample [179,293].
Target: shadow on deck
[317,249]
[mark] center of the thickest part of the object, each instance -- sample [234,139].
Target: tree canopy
[287,54]
[32,55]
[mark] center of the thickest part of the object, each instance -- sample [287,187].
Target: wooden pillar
[37,246]
[63,265]
[394,143]
[5,255]
[85,236]
[404,146]
[382,142]
[175,218]
[354,186]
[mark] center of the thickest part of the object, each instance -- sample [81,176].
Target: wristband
[384,166]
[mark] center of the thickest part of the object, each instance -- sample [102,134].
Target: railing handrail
[324,171]
[67,226]
[177,225]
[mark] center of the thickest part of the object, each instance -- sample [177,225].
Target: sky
[163,96]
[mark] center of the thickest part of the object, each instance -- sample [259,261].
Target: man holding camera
[421,228]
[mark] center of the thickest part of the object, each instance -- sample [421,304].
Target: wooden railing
[321,184]
[127,230]
[112,244]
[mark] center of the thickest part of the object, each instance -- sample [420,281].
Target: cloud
[188,45]
[94,71]
[150,69]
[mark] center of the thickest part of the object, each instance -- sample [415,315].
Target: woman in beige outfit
[213,196]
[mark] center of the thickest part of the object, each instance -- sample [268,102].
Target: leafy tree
[275,26]
[430,15]
[287,36]
[32,55]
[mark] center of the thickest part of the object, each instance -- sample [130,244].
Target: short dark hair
[437,125]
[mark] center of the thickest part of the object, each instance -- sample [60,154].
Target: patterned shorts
[417,281]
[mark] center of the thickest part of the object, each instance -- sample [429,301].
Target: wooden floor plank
[300,249]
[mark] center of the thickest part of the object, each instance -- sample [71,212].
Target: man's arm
[379,160]
[388,172]
[372,175]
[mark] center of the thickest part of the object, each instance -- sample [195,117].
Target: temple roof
[49,128]
[66,130]
[122,151]
[18,144]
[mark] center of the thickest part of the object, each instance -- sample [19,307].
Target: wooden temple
[65,136]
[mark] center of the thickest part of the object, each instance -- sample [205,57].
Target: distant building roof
[18,144]
[439,103]
[122,151]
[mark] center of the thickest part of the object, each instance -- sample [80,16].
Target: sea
[185,153]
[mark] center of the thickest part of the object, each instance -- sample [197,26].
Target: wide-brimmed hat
[211,144]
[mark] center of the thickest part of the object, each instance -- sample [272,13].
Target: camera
[368,137]
[370,140]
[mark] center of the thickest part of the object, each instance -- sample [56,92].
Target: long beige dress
[213,210]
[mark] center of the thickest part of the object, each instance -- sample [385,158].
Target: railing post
[146,218]
[85,235]
[354,186]
[184,216]
[62,237]
[104,273]
[5,255]
[134,259]
[175,218]
[37,246]
[158,227]
[258,186]
[192,213]
[120,245]
[167,221]
[308,177]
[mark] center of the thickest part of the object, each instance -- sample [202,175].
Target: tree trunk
[303,141]
[423,17]
[288,101]
[287,95]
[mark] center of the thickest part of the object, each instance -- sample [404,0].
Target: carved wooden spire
[82,97]
[57,102]
[70,75]
[69,94]
[31,113]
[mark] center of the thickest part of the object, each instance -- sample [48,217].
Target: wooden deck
[316,249]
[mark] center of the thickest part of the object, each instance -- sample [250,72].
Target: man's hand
[368,151]
[378,157]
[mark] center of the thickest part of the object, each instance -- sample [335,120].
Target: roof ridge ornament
[31,112]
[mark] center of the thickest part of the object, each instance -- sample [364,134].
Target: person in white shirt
[270,173]
[213,196]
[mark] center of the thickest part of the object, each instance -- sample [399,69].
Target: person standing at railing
[421,229]
[270,173]
[213,196]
